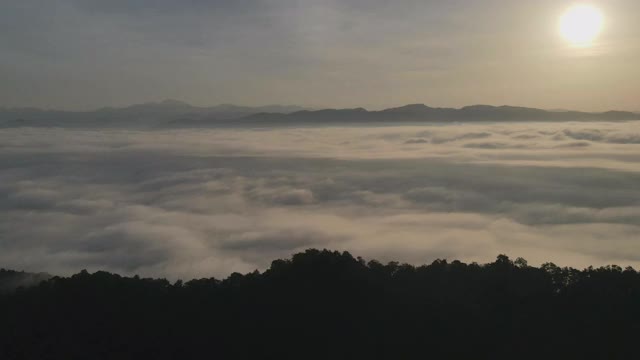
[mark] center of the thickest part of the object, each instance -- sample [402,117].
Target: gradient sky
[81,54]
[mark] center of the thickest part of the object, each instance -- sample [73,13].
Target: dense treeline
[330,305]
[11,280]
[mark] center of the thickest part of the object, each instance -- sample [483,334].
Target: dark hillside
[330,305]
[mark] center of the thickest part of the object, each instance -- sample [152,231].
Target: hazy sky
[79,54]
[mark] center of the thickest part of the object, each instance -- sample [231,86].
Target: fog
[198,202]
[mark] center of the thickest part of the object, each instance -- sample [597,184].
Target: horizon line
[302,107]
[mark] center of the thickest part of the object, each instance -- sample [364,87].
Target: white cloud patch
[192,203]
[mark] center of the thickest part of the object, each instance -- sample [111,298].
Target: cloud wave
[191,203]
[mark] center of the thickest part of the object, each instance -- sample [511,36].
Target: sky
[84,54]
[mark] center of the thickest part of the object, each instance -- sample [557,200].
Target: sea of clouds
[208,202]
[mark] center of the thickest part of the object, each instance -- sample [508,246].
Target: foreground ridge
[328,304]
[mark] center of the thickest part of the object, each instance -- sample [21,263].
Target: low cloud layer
[192,203]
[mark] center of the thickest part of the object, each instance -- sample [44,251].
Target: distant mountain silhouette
[173,113]
[139,115]
[420,112]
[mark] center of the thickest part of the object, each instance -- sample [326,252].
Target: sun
[581,24]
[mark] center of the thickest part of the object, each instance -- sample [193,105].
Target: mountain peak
[478,107]
[409,108]
[173,102]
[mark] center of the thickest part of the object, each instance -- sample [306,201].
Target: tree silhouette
[324,304]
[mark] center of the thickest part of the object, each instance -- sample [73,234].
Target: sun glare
[581,24]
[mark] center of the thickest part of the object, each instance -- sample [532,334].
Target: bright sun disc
[581,24]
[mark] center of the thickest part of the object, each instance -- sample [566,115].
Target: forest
[323,304]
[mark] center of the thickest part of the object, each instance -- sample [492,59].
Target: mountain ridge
[175,113]
[421,112]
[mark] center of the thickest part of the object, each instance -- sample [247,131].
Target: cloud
[608,136]
[526,136]
[618,138]
[575,144]
[585,134]
[290,240]
[193,203]
[466,136]
[416,141]
[493,145]
[283,196]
